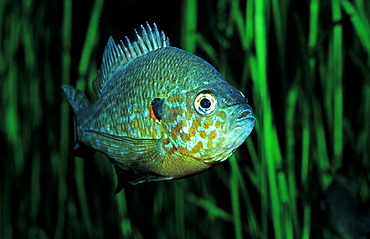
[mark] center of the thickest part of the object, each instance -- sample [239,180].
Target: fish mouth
[245,115]
[241,117]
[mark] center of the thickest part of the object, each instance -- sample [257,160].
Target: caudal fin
[76,98]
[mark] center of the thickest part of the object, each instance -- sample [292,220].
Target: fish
[349,218]
[162,113]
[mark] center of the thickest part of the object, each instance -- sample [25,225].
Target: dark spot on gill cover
[157,106]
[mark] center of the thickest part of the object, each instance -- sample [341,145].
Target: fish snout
[242,116]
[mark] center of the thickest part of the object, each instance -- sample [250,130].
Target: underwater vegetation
[303,65]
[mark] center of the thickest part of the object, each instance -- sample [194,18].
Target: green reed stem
[235,197]
[336,65]
[359,12]
[189,25]
[270,146]
[126,227]
[59,164]
[91,42]
[180,209]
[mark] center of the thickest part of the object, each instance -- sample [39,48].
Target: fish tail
[78,101]
[76,98]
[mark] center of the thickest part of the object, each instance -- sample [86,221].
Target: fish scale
[162,113]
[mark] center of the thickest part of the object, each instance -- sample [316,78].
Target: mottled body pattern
[162,113]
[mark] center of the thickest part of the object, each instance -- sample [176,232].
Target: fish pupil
[205,103]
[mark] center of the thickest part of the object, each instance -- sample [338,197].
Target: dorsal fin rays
[118,55]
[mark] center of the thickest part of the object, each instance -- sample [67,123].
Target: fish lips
[241,125]
[242,117]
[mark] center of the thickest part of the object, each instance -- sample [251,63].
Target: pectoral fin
[127,150]
[135,160]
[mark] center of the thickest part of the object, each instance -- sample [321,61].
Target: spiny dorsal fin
[120,54]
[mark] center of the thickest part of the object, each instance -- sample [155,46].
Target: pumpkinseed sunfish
[162,113]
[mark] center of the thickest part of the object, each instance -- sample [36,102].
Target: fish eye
[205,103]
